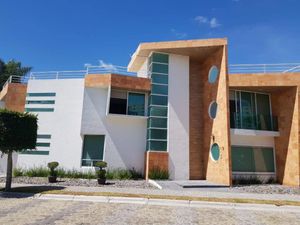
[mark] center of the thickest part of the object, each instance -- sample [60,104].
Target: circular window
[215,152]
[213,74]
[212,111]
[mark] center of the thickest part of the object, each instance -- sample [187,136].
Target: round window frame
[211,155]
[213,67]
[209,110]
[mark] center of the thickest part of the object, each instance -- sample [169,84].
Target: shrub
[36,172]
[17,172]
[63,173]
[158,174]
[52,166]
[101,164]
[101,173]
[123,174]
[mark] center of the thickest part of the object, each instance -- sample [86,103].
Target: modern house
[179,107]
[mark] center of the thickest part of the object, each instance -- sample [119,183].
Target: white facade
[125,136]
[63,124]
[178,117]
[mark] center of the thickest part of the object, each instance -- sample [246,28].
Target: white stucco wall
[2,104]
[143,70]
[178,117]
[63,124]
[125,136]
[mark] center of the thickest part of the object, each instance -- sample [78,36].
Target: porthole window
[215,152]
[212,111]
[213,74]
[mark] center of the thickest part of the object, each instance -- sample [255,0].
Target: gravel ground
[35,212]
[266,189]
[142,184]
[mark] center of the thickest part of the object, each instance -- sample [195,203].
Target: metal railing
[253,122]
[14,79]
[264,68]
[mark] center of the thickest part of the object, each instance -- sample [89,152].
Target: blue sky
[65,34]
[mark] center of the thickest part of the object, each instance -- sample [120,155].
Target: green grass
[114,174]
[158,174]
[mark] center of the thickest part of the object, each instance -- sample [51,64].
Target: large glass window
[127,103]
[136,104]
[251,110]
[252,159]
[93,148]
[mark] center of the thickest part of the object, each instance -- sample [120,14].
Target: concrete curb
[155,184]
[158,202]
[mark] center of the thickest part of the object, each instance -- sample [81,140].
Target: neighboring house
[183,112]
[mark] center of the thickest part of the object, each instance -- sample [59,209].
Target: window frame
[256,173]
[82,146]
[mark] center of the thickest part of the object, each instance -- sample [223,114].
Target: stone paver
[19,211]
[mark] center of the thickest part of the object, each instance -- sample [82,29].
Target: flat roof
[194,48]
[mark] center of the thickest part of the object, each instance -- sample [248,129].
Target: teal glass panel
[39,109]
[136,104]
[158,100]
[44,136]
[158,111]
[157,122]
[215,152]
[157,134]
[213,74]
[159,79]
[248,110]
[263,112]
[34,152]
[242,159]
[93,147]
[264,159]
[157,145]
[43,144]
[213,110]
[159,89]
[41,94]
[159,68]
[161,58]
[40,102]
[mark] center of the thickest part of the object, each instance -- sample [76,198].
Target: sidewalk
[198,193]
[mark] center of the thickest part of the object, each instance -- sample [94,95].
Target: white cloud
[107,66]
[179,35]
[212,23]
[201,19]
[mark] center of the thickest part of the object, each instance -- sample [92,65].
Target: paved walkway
[18,211]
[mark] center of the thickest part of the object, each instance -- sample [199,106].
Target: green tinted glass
[161,58]
[39,109]
[157,134]
[159,68]
[158,100]
[215,152]
[158,111]
[159,79]
[157,145]
[42,94]
[157,122]
[93,147]
[159,89]
[136,104]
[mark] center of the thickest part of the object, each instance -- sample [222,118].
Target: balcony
[254,122]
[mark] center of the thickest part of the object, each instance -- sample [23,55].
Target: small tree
[18,131]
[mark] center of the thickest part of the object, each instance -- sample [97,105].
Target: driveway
[37,211]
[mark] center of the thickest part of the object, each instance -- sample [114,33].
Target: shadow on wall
[283,105]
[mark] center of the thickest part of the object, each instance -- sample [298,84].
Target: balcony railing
[264,68]
[254,122]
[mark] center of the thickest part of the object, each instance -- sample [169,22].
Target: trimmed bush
[52,166]
[158,174]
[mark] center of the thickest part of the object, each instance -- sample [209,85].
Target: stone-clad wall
[284,89]
[205,131]
[14,95]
